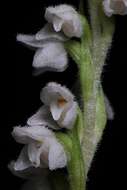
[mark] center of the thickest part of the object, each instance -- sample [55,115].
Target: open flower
[65,18]
[59,110]
[51,54]
[115,7]
[41,149]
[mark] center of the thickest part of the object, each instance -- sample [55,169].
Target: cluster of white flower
[42,149]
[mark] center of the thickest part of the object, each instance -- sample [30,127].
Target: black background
[22,93]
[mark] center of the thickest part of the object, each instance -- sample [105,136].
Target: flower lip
[57,59]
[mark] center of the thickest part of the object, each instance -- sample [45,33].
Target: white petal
[40,38]
[55,110]
[53,91]
[48,154]
[23,161]
[64,17]
[30,40]
[57,156]
[30,134]
[51,57]
[57,24]
[68,120]
[34,153]
[47,33]
[52,12]
[43,117]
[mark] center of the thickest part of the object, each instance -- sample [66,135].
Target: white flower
[65,18]
[41,148]
[115,7]
[59,110]
[51,54]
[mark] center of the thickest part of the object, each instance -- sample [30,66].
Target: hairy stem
[92,61]
[76,167]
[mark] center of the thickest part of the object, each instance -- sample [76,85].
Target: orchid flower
[41,149]
[46,40]
[115,7]
[59,109]
[65,18]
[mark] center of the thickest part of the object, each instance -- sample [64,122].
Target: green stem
[90,56]
[102,32]
[71,142]
[94,6]
[92,61]
[94,133]
[76,167]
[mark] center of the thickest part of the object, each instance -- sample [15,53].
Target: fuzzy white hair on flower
[59,101]
[51,54]
[41,149]
[65,18]
[115,7]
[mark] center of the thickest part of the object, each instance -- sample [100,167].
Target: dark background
[22,93]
